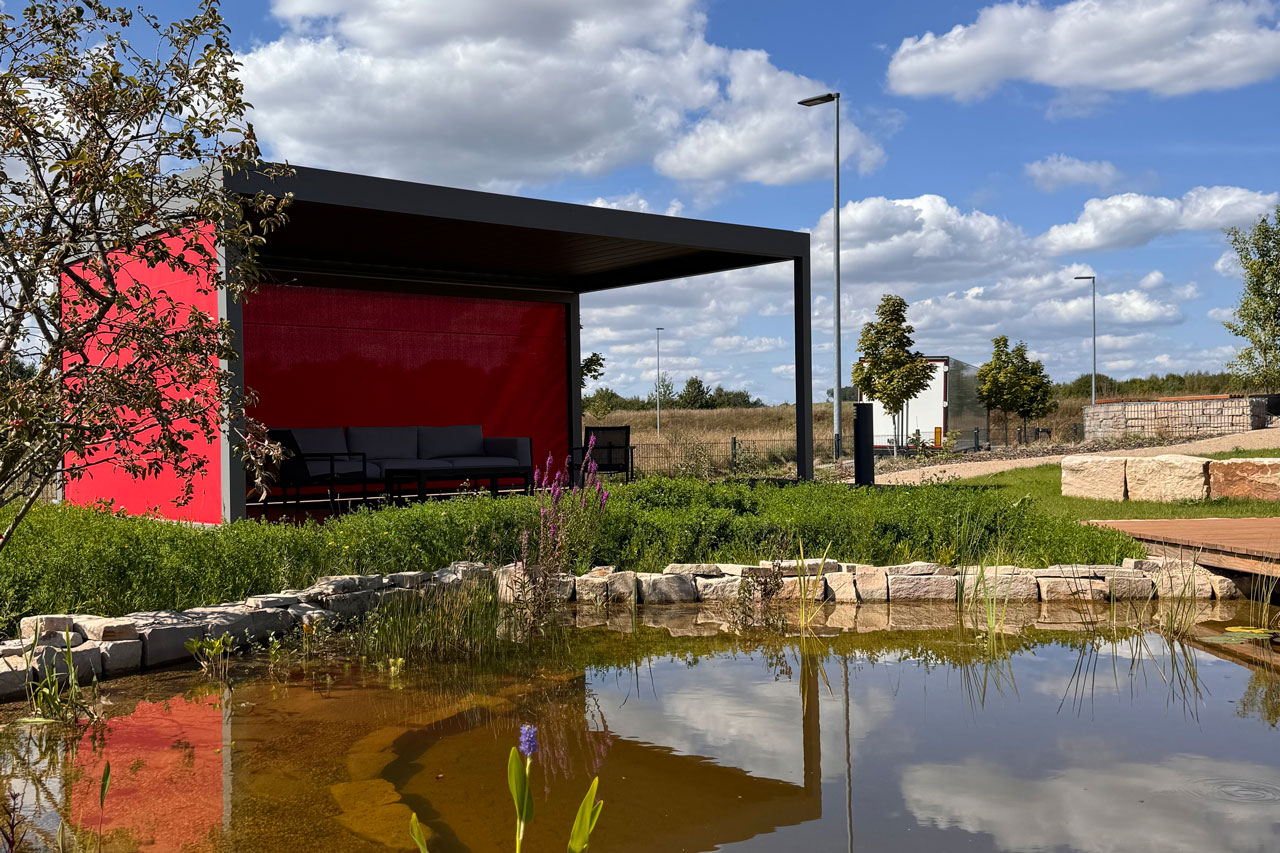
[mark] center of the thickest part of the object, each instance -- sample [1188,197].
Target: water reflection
[917,738]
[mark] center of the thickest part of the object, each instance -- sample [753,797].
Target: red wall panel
[156,495]
[322,356]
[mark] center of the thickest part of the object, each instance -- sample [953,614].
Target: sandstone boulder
[1181,580]
[35,626]
[1096,477]
[1057,590]
[590,589]
[1168,477]
[164,634]
[103,628]
[14,675]
[1131,588]
[719,589]
[873,585]
[919,567]
[1258,479]
[843,588]
[922,588]
[667,589]
[120,656]
[700,570]
[812,588]
[1000,586]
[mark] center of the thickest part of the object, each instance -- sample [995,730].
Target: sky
[990,154]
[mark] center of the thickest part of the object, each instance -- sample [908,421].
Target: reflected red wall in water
[322,356]
[166,775]
[156,494]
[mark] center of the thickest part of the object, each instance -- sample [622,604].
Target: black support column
[804,370]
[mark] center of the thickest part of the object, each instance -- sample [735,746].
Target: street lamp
[1093,381]
[837,402]
[657,385]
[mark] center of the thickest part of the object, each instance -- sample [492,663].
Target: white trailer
[949,404]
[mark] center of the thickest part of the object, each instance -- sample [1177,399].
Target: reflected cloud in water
[1183,803]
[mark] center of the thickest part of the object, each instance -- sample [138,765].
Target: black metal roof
[342,222]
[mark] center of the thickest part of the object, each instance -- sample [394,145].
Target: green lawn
[1243,454]
[1044,484]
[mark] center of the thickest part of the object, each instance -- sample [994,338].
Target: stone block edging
[105,647]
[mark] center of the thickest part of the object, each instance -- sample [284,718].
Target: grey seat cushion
[441,442]
[484,462]
[413,464]
[324,440]
[383,442]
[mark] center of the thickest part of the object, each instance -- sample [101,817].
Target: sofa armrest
[516,448]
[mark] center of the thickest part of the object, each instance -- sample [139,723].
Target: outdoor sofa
[390,457]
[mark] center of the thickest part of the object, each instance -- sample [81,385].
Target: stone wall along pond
[103,647]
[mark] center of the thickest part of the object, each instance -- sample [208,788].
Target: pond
[896,730]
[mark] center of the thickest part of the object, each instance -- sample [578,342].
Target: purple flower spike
[528,740]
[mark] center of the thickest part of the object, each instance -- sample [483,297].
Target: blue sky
[991,154]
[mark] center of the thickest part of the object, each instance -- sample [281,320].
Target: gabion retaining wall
[1177,418]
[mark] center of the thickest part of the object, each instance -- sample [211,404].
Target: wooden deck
[1238,544]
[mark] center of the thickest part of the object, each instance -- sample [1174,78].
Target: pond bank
[96,647]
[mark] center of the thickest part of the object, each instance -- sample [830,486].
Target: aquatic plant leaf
[518,783]
[1249,629]
[585,822]
[1233,638]
[417,833]
[106,783]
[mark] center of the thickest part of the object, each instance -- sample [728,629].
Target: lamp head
[1085,277]
[819,99]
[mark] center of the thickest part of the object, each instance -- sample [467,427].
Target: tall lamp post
[657,385]
[830,97]
[1093,380]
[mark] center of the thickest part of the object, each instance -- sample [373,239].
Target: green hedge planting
[69,559]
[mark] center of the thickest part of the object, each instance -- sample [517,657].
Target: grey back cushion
[383,442]
[438,442]
[320,440]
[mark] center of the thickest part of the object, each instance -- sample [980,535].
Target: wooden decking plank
[1241,544]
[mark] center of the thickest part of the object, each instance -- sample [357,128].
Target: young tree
[1029,393]
[1257,316]
[663,389]
[695,395]
[112,161]
[889,371]
[592,368]
[994,380]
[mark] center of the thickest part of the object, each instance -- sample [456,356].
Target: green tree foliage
[1155,385]
[98,174]
[592,368]
[889,371]
[1257,316]
[663,390]
[605,400]
[1014,384]
[695,395]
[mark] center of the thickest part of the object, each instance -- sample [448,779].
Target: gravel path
[1254,440]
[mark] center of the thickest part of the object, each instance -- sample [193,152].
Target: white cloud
[743,344]
[1130,219]
[637,202]
[1058,170]
[1221,315]
[785,370]
[499,94]
[1167,47]
[1228,265]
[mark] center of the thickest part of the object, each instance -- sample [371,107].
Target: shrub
[72,559]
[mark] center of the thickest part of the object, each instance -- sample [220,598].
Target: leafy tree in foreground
[97,185]
[994,379]
[592,368]
[1257,316]
[889,371]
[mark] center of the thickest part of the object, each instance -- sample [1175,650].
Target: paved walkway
[1257,439]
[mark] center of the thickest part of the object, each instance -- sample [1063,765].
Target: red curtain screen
[156,494]
[322,356]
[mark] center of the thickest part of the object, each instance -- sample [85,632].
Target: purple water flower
[528,740]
